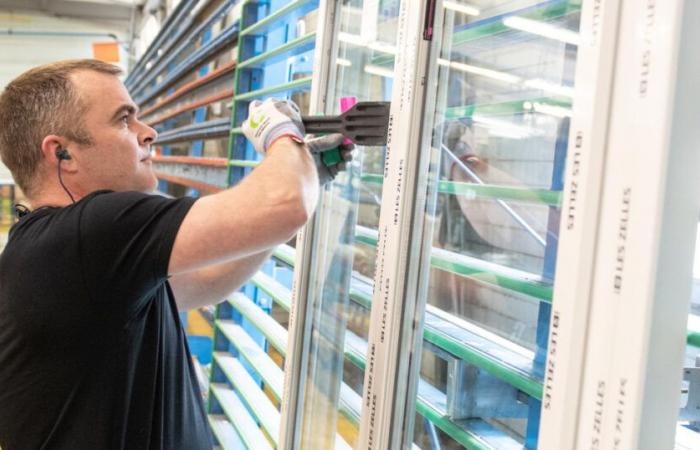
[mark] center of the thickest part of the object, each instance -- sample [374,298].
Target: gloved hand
[317,145]
[270,120]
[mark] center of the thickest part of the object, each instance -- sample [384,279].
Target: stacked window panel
[274,59]
[362,44]
[499,146]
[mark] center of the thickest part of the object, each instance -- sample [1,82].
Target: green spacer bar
[530,195]
[494,27]
[254,355]
[520,381]
[279,293]
[285,253]
[510,279]
[503,108]
[453,430]
[693,338]
[252,396]
[353,354]
[225,433]
[291,48]
[262,24]
[298,84]
[360,297]
[532,288]
[499,192]
[275,333]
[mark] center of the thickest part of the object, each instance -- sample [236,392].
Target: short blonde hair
[40,102]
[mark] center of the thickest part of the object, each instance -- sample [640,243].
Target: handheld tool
[365,123]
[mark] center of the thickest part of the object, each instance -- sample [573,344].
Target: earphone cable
[60,180]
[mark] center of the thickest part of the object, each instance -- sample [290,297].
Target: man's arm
[264,210]
[213,284]
[225,238]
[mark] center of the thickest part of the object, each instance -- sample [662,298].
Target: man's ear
[55,150]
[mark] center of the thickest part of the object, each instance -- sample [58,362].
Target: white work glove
[270,120]
[317,145]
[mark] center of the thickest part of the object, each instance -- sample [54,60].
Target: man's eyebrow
[130,109]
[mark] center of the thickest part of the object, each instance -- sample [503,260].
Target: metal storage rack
[183,85]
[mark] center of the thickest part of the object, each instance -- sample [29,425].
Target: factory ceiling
[95,10]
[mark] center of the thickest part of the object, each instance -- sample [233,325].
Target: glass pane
[688,430]
[505,81]
[345,250]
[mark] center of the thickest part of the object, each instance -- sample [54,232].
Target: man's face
[119,156]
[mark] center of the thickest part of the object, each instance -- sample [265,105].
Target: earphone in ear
[62,154]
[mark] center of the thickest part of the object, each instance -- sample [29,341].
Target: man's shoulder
[101,202]
[106,195]
[129,212]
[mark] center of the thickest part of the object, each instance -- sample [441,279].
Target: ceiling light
[476,70]
[542,29]
[503,128]
[377,70]
[551,110]
[355,39]
[557,89]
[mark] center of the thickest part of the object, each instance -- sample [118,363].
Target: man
[92,354]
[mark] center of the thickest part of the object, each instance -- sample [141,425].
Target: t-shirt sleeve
[126,240]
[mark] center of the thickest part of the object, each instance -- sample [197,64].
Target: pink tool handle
[345,104]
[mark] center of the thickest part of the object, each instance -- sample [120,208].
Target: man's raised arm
[226,237]
[266,208]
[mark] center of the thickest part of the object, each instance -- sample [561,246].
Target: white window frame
[644,253]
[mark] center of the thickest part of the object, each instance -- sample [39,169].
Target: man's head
[80,106]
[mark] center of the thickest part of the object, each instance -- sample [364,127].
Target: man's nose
[148,135]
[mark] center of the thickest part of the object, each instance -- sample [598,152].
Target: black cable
[60,180]
[21,210]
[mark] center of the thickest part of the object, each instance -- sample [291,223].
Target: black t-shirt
[92,352]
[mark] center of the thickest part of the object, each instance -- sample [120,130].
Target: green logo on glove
[256,123]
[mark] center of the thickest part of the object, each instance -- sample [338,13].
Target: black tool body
[366,123]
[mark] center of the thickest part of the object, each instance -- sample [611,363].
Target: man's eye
[124,119]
